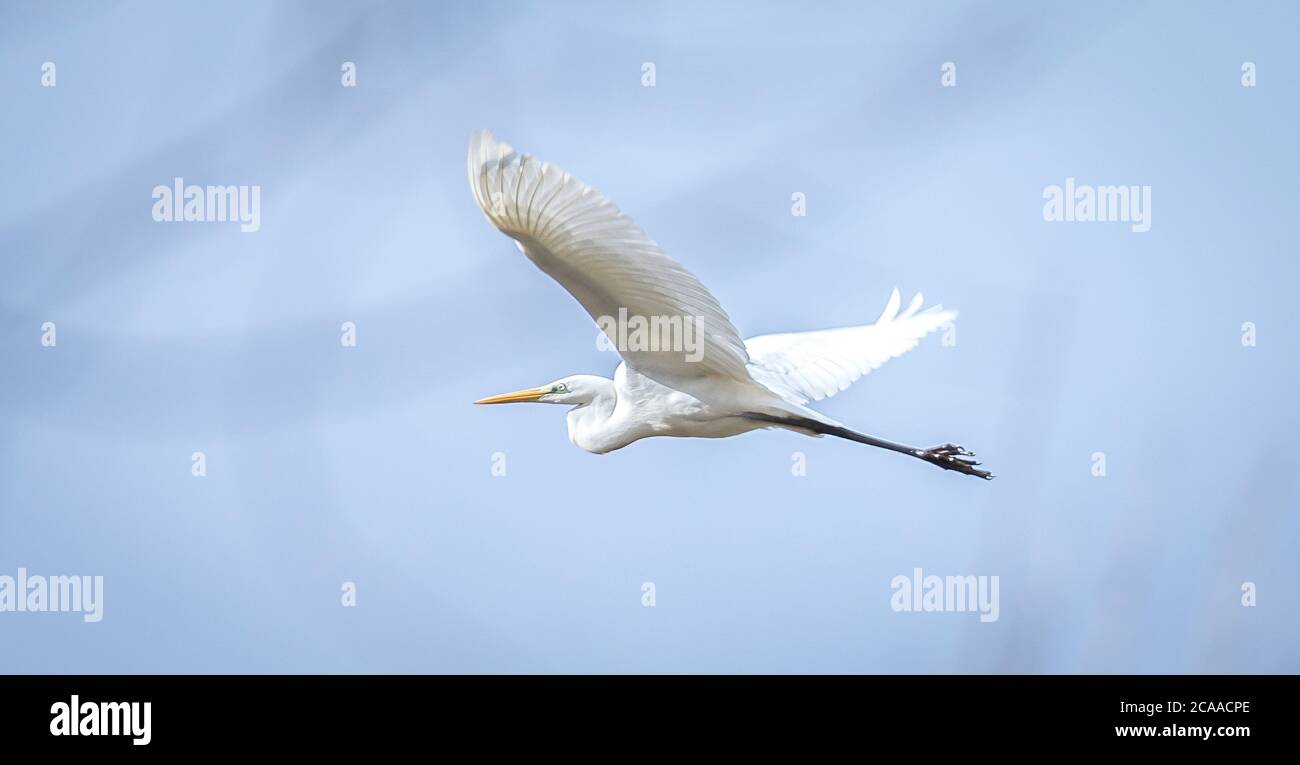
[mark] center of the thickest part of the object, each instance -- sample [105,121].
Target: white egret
[723,386]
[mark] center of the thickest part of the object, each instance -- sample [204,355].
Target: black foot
[950,457]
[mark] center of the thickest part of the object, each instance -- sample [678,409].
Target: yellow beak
[527,394]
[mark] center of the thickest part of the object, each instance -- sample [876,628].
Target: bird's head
[575,389]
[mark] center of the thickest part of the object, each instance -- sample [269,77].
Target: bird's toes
[951,457]
[951,450]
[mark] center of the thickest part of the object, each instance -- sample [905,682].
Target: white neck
[590,424]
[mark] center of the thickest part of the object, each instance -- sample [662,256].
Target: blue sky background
[370,464]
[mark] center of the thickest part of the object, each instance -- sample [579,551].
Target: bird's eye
[560,388]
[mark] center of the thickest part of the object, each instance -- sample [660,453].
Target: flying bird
[706,384]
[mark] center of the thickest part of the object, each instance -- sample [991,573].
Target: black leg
[948,456]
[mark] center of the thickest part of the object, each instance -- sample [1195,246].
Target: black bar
[1011,712]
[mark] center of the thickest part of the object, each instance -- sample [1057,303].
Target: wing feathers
[601,257]
[891,308]
[810,366]
[608,263]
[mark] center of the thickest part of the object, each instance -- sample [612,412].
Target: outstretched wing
[606,261]
[804,366]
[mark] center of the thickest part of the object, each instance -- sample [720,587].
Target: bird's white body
[632,407]
[724,386]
